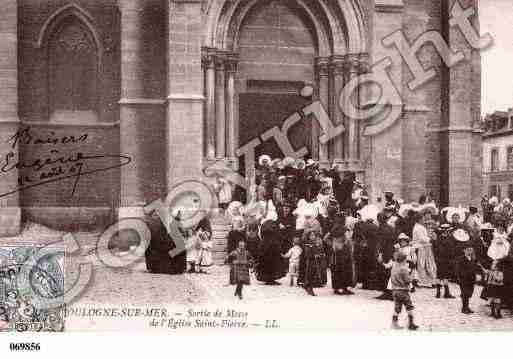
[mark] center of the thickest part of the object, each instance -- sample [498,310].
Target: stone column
[232,142]
[185,112]
[352,66]
[10,212]
[220,104]
[322,66]
[141,109]
[363,142]
[209,66]
[458,132]
[337,73]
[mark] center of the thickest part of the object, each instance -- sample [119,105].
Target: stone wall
[151,97]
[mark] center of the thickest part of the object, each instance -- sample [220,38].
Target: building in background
[173,85]
[498,154]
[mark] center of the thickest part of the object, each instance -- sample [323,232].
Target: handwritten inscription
[56,164]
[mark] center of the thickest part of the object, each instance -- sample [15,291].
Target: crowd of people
[305,222]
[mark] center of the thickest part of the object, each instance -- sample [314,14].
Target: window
[72,69]
[510,191]
[510,158]
[494,165]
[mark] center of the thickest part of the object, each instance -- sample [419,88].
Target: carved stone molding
[232,62]
[208,57]
[337,64]
[322,65]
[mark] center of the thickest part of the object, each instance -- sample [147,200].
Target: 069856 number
[24,347]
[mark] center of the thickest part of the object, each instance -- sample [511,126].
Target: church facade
[107,104]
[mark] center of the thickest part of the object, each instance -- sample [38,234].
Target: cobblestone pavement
[290,305]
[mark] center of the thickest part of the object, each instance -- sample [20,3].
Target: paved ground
[290,306]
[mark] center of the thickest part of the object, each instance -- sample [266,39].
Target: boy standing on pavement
[401,279]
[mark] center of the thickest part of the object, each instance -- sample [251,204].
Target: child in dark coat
[240,261]
[466,270]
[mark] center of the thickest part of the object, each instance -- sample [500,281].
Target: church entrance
[260,111]
[277,50]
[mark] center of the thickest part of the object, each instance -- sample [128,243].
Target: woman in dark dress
[270,266]
[343,192]
[252,239]
[444,252]
[342,261]
[287,227]
[158,259]
[315,275]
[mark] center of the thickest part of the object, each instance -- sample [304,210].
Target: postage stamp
[27,282]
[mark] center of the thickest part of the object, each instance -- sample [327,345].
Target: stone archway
[277,46]
[338,47]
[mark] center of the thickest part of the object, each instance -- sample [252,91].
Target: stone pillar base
[324,164]
[10,221]
[130,212]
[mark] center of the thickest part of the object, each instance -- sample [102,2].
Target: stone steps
[220,229]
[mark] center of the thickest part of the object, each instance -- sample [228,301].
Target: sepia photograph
[170,166]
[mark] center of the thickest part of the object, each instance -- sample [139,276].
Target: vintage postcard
[256,165]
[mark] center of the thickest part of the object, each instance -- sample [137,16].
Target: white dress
[205,251]
[426,265]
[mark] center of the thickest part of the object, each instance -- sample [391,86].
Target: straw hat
[461,235]
[310,162]
[451,211]
[369,212]
[429,208]
[263,159]
[404,209]
[276,163]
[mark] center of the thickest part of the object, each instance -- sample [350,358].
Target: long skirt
[315,274]
[426,266]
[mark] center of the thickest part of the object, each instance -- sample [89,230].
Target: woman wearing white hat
[497,252]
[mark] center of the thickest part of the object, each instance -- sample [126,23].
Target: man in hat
[390,202]
[264,167]
[366,236]
[385,250]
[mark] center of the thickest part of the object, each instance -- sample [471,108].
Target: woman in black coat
[342,261]
[444,252]
[270,266]
[157,255]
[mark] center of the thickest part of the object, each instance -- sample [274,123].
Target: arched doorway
[277,47]
[258,54]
